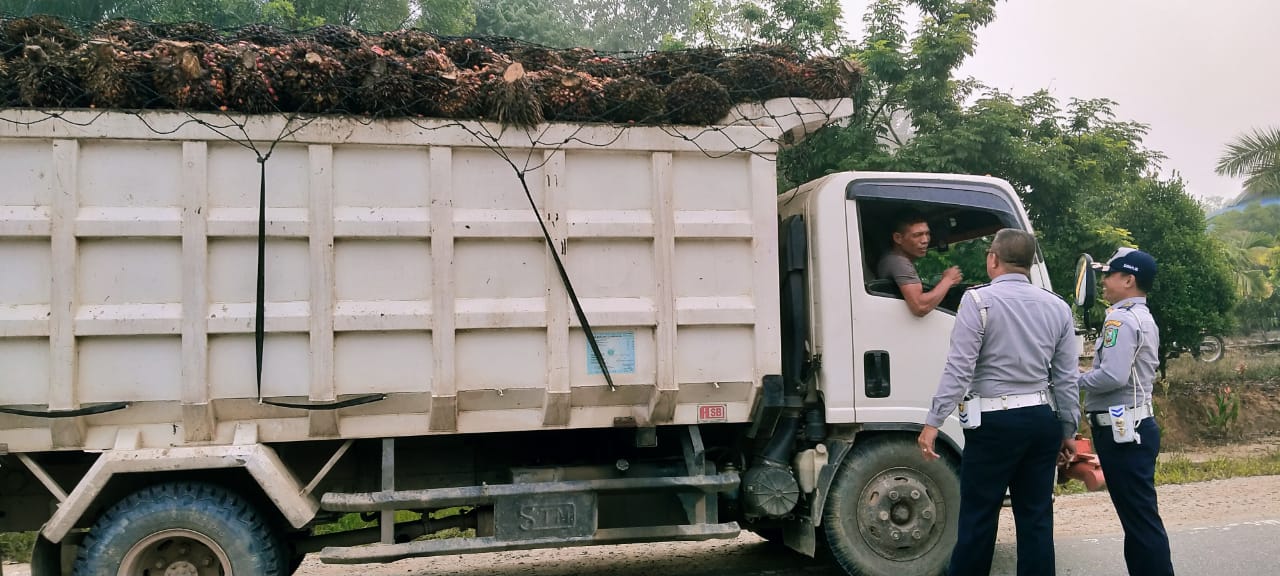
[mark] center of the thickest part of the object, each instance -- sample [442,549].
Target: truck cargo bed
[403,260]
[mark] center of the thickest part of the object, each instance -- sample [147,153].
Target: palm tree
[1249,255]
[1256,158]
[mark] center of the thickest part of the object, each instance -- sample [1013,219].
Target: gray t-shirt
[897,267]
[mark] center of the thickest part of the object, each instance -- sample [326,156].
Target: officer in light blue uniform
[1014,346]
[1118,404]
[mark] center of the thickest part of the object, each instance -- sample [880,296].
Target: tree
[615,25]
[79,11]
[368,15]
[1085,178]
[1193,289]
[1256,158]
[810,26]
[447,17]
[539,21]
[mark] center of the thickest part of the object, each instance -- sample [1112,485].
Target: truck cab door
[898,357]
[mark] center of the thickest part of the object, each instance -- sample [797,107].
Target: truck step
[421,548]
[481,495]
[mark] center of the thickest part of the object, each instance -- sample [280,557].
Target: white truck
[201,361]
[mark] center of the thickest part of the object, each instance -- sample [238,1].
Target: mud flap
[800,535]
[46,558]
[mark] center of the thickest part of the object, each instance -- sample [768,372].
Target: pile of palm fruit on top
[124,64]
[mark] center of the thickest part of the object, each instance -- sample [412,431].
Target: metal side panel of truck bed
[402,260]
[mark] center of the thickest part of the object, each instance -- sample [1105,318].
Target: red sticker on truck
[713,413]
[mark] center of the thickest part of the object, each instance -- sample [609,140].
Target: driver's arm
[921,302]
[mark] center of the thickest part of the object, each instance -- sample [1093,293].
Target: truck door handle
[875,370]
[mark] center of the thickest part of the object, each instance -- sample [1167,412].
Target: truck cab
[874,365]
[869,343]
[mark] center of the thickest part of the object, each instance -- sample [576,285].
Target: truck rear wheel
[180,528]
[890,511]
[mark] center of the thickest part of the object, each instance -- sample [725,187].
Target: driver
[910,242]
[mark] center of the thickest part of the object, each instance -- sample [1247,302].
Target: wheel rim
[175,552]
[900,514]
[1210,349]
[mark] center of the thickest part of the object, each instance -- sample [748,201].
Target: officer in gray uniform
[1118,404]
[1014,347]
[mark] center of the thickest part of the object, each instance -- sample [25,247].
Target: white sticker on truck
[619,351]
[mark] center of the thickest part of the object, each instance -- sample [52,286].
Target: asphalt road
[1237,549]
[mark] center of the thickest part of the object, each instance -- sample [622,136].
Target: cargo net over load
[259,69]
[519,100]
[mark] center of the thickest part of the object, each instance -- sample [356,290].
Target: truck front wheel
[180,528]
[890,511]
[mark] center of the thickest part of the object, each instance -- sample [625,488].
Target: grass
[355,522]
[1181,470]
[1232,368]
[16,546]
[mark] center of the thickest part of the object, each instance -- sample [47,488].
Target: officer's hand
[925,440]
[1068,453]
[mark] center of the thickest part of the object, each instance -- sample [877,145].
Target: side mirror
[1086,282]
[1086,286]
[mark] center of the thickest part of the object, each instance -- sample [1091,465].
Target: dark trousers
[1015,450]
[1130,470]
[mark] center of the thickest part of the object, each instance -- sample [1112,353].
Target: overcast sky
[1198,73]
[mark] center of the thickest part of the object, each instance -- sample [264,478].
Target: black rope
[83,411]
[568,286]
[260,311]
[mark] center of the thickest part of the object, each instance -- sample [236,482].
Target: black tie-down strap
[568,286]
[82,411]
[260,314]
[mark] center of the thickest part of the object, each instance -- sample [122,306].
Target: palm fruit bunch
[8,88]
[570,96]
[536,58]
[510,97]
[262,35]
[379,82]
[574,57]
[752,77]
[18,31]
[663,68]
[782,52]
[187,32]
[633,99]
[469,54]
[696,99]
[133,34]
[252,74]
[705,60]
[462,97]
[434,75]
[340,37]
[605,67]
[409,43]
[825,77]
[7,47]
[46,74]
[187,75]
[311,80]
[114,76]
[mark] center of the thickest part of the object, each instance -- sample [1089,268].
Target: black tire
[202,519]
[891,512]
[1211,348]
